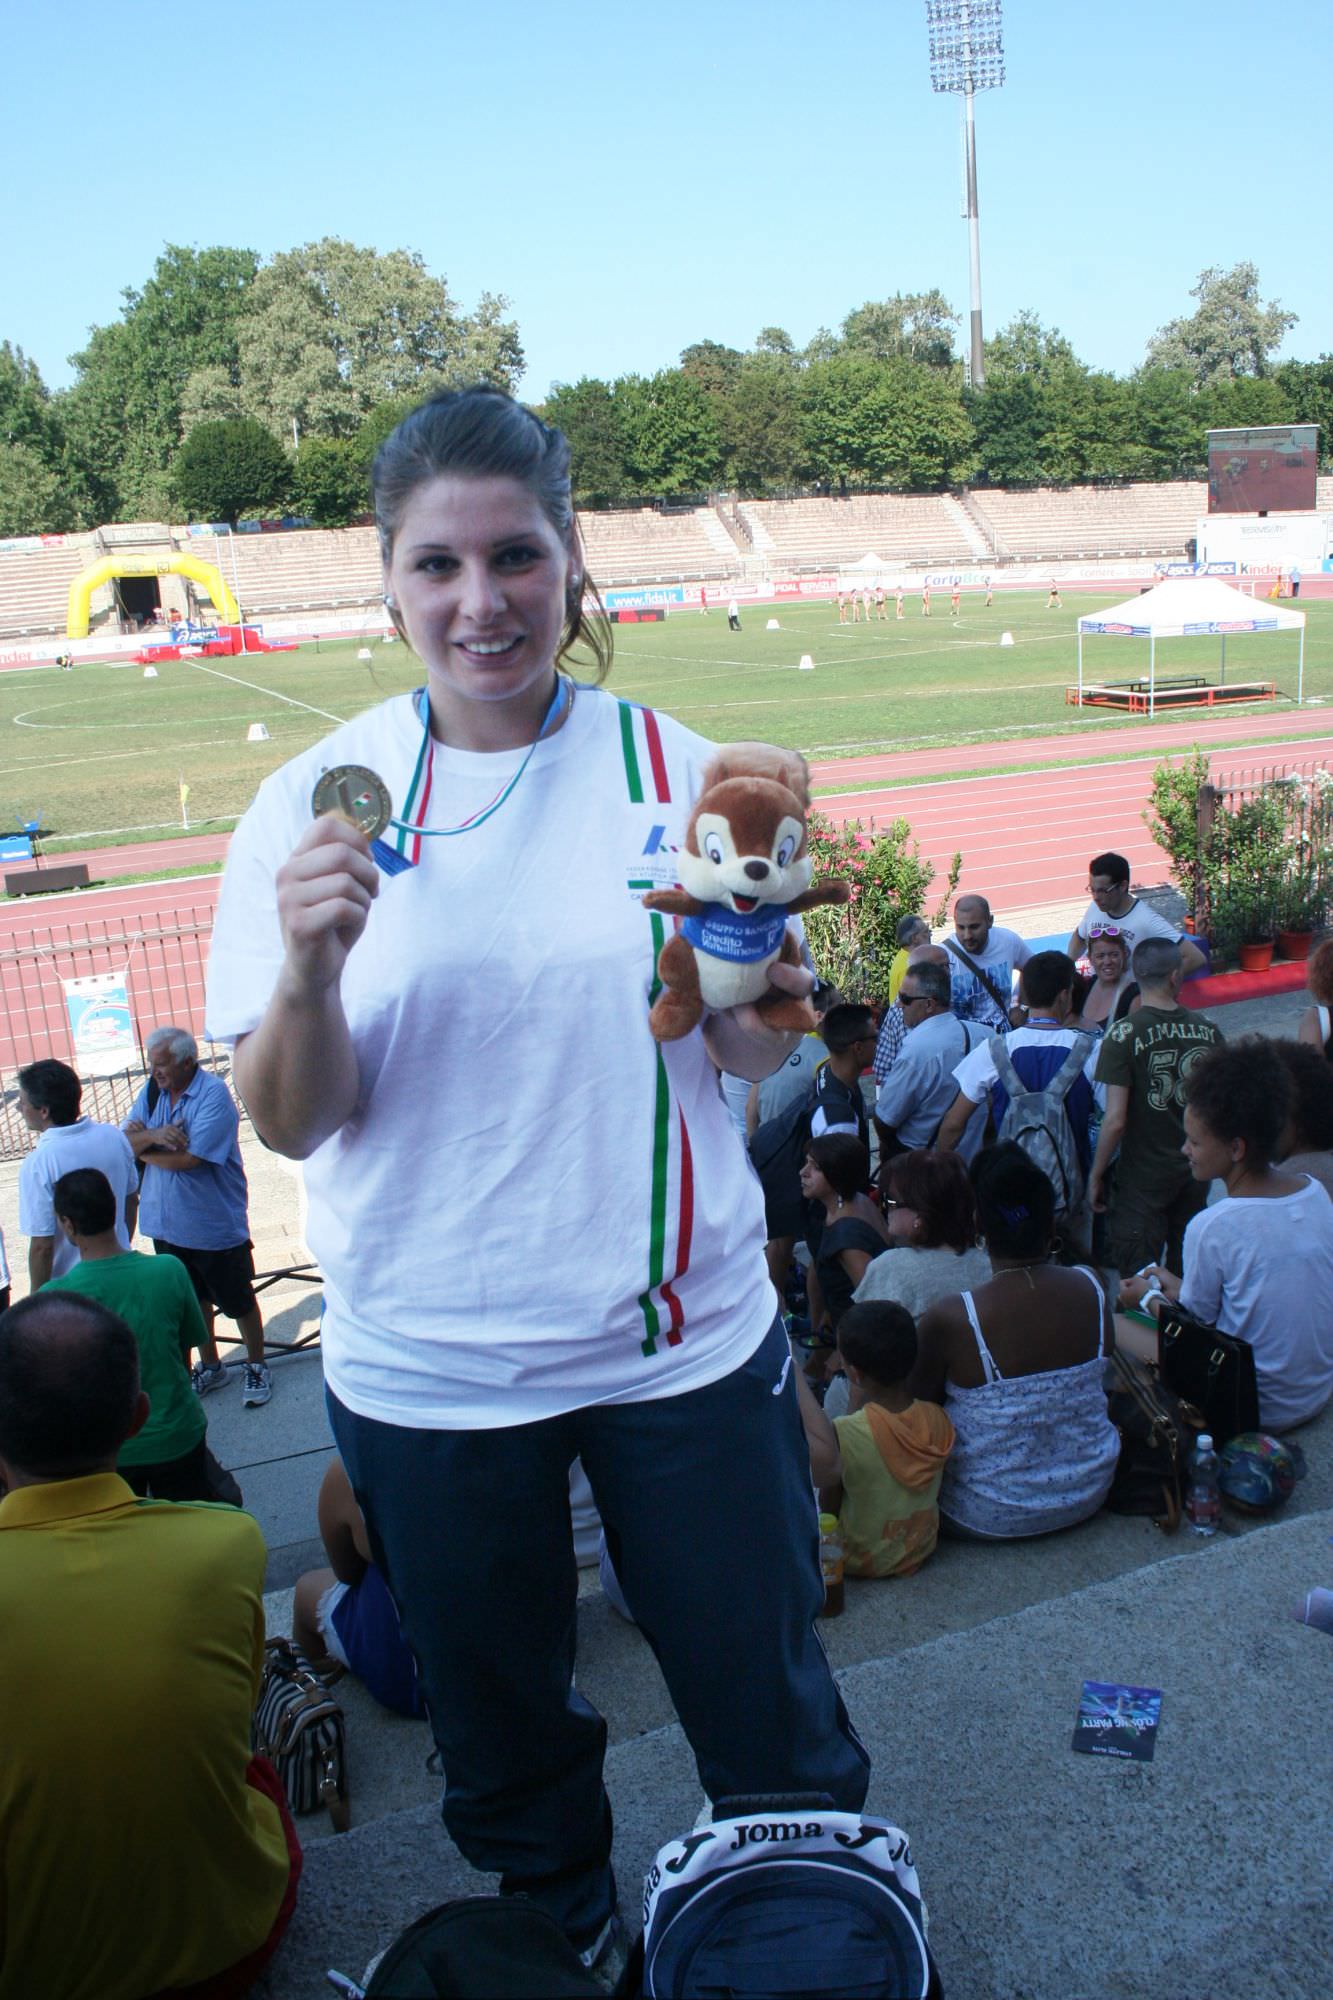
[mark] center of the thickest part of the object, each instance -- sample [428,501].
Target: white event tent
[1190,607]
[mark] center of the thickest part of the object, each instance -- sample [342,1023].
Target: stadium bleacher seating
[34,586]
[816,534]
[1140,519]
[645,545]
[326,570]
[305,569]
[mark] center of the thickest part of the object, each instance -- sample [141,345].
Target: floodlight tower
[967,55]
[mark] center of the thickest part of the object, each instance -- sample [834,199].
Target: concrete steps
[968,527]
[964,1586]
[1048,1875]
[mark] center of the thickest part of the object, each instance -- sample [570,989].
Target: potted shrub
[1300,913]
[1241,924]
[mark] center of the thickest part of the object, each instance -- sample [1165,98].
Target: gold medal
[353,793]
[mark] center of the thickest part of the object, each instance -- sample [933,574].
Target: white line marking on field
[272,693]
[156,723]
[23,767]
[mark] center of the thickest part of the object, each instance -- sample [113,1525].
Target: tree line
[230,387]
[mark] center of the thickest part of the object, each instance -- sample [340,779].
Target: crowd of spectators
[1053,1132]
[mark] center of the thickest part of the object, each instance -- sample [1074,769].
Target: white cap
[1205,1442]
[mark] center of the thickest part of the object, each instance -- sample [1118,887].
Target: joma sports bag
[787,1900]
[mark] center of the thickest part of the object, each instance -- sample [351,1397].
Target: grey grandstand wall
[309,582]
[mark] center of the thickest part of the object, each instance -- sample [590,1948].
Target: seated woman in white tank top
[1018,1364]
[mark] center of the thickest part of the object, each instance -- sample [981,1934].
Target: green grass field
[100,752]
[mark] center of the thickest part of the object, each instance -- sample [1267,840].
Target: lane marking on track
[272,693]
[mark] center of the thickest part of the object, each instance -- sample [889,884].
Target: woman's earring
[389,603]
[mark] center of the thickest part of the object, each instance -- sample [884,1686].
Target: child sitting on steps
[879,1468]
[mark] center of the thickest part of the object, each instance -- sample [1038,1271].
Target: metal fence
[163,957]
[1265,839]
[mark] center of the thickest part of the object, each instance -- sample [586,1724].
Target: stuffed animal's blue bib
[739,939]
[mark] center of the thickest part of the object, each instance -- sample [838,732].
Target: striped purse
[299,1725]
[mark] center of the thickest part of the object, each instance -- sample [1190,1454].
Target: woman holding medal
[539,1236]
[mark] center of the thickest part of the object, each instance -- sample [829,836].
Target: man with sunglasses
[1115,912]
[920,1087]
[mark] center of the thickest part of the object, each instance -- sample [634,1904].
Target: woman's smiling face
[1107,958]
[481,581]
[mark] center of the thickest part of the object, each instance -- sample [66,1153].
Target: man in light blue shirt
[920,1087]
[183,1129]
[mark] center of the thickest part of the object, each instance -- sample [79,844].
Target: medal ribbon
[413,827]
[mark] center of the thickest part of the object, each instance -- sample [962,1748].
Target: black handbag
[1156,1438]
[1210,1370]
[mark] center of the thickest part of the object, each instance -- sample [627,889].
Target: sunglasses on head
[1104,930]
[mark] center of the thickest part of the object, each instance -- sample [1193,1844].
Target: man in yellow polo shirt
[140,1848]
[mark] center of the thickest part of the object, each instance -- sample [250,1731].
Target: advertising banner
[100,1023]
[804,586]
[1256,542]
[666,593]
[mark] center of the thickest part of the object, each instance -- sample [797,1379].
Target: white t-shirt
[1140,921]
[1005,952]
[976,1074]
[60,1150]
[533,1207]
[1263,1270]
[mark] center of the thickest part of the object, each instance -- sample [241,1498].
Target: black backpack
[479,1948]
[777,1147]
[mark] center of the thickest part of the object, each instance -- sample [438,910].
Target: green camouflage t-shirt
[1151,1053]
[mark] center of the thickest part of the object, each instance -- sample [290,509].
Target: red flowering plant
[853,945]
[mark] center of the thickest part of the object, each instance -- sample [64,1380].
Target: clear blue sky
[637,178]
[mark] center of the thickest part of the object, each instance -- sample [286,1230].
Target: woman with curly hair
[1259,1264]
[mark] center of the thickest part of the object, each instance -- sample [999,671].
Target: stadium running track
[1025,835]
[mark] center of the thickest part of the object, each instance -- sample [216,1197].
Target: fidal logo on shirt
[653,865]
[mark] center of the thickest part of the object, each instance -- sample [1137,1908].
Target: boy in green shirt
[168,1458]
[879,1468]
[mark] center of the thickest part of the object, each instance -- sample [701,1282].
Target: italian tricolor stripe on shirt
[671,1223]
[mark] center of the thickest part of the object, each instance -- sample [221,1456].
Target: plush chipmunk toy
[744,869]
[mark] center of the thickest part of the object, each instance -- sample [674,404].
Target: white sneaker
[258,1384]
[207,1376]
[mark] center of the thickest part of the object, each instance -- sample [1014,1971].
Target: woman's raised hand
[740,1041]
[325,889]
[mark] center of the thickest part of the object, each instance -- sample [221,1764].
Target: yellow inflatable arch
[206,575]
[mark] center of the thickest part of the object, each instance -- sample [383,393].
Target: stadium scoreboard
[1268,470]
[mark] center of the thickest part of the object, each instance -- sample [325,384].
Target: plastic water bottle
[1203,1500]
[831,1557]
